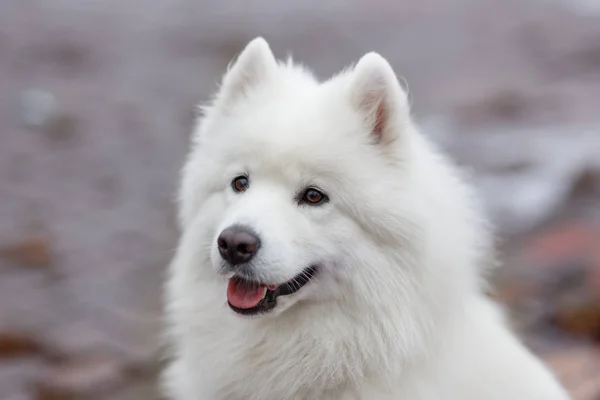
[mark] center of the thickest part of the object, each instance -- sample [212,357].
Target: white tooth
[264,292]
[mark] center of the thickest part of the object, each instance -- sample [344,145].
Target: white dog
[329,251]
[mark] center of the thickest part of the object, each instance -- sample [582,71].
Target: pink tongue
[242,296]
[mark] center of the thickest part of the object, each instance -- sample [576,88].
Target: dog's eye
[313,197]
[240,184]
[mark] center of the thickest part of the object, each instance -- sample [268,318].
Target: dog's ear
[253,66]
[377,95]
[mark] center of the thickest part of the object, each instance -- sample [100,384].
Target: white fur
[397,310]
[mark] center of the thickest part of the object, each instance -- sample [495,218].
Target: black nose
[238,244]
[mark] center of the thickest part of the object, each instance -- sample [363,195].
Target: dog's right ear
[253,66]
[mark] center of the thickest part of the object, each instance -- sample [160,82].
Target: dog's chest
[246,367]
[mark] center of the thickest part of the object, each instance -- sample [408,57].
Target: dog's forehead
[292,130]
[281,123]
[302,140]
[286,156]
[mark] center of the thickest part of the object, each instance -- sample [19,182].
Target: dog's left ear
[253,66]
[377,95]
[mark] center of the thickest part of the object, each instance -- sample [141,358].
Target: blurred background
[96,106]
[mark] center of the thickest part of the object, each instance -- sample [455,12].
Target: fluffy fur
[397,310]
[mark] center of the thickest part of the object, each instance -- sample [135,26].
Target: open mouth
[250,298]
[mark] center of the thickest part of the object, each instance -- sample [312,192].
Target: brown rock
[580,320]
[63,128]
[45,393]
[586,183]
[556,278]
[31,252]
[14,344]
[594,279]
[568,262]
[562,242]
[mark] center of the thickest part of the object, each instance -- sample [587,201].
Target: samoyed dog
[330,252]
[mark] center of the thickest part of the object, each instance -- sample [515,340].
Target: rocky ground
[96,107]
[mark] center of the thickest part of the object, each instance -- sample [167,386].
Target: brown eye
[313,197]
[240,184]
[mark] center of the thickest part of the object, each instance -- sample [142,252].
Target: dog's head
[292,184]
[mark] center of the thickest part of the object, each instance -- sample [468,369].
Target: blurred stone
[33,251]
[37,108]
[560,272]
[588,182]
[577,309]
[80,378]
[510,292]
[500,103]
[580,319]
[548,169]
[46,393]
[63,128]
[578,367]
[594,280]
[14,344]
[585,7]
[564,242]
